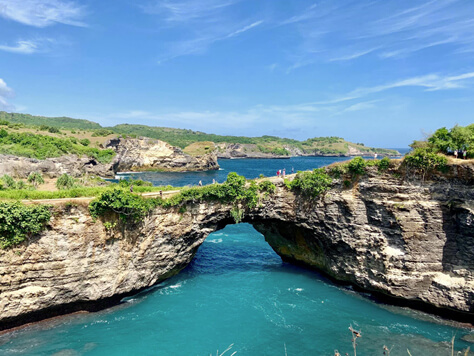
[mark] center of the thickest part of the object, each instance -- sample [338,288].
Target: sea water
[238,293]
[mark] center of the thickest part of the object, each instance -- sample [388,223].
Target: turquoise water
[238,291]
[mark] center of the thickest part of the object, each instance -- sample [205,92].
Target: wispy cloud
[5,93]
[187,10]
[354,55]
[29,46]
[351,30]
[198,24]
[43,13]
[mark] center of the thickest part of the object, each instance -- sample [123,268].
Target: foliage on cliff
[446,141]
[131,207]
[38,146]
[312,183]
[58,122]
[19,221]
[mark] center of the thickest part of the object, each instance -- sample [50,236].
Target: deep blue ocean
[238,292]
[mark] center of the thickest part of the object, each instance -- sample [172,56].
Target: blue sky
[380,72]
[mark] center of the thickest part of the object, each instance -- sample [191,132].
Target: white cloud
[199,24]
[187,10]
[5,93]
[42,13]
[24,47]
[387,29]
[244,29]
[37,45]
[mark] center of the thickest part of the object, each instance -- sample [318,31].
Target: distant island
[193,143]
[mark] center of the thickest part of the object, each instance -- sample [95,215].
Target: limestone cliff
[149,154]
[132,155]
[408,240]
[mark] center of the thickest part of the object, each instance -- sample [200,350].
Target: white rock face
[148,154]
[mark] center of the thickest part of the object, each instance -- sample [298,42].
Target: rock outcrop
[144,154]
[21,167]
[132,155]
[407,240]
[240,150]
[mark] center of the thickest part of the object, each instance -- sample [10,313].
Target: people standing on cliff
[131,188]
[284,172]
[292,170]
[213,181]
[464,154]
[200,183]
[375,156]
[455,153]
[278,173]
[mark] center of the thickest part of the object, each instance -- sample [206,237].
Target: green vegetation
[426,160]
[31,145]
[446,141]
[76,192]
[19,222]
[35,178]
[357,166]
[131,207]
[311,184]
[58,122]
[65,181]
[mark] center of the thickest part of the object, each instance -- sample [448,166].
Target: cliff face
[148,154]
[408,240]
[78,265]
[411,241]
[132,155]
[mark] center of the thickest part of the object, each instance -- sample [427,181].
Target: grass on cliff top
[76,192]
[199,148]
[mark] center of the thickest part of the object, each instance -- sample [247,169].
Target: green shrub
[338,171]
[65,181]
[357,166]
[35,178]
[19,221]
[425,160]
[130,207]
[8,182]
[134,182]
[384,164]
[53,130]
[312,183]
[85,142]
[266,186]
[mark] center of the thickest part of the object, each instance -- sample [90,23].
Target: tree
[35,178]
